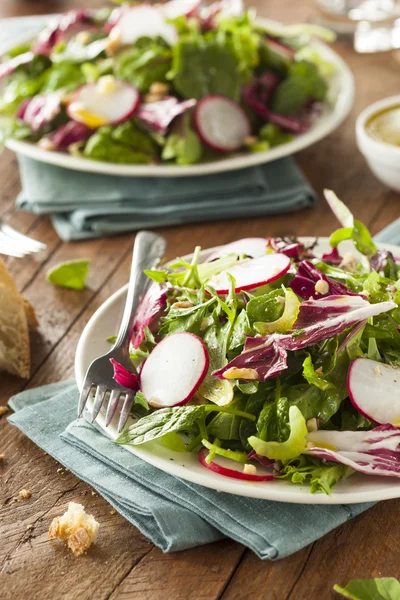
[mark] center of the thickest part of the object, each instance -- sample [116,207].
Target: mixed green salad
[175,83]
[272,361]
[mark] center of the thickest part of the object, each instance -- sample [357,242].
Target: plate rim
[334,118]
[211,480]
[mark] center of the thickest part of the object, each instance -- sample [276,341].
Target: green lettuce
[383,588]
[303,83]
[319,475]
[147,62]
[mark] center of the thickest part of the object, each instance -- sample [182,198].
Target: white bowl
[382,158]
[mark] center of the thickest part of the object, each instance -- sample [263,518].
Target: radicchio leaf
[306,278]
[287,246]
[153,302]
[159,115]
[332,257]
[61,28]
[125,377]
[263,460]
[375,452]
[318,320]
[8,67]
[40,110]
[69,134]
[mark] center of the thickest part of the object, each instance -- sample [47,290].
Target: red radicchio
[68,134]
[252,96]
[153,302]
[303,284]
[375,452]
[379,260]
[124,377]
[11,65]
[61,28]
[286,246]
[40,110]
[333,257]
[263,460]
[318,320]
[159,115]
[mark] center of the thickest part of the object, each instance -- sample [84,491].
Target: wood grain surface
[123,564]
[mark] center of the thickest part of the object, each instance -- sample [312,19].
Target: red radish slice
[108,102]
[221,123]
[374,390]
[143,21]
[252,273]
[174,370]
[40,110]
[253,247]
[176,8]
[227,472]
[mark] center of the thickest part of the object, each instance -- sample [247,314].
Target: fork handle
[148,250]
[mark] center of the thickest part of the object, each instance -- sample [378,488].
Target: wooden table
[124,564]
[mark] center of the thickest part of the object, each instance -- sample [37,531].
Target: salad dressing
[384,126]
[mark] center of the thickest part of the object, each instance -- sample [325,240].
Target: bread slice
[14,333]
[8,281]
[77,527]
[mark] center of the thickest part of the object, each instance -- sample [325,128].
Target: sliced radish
[253,247]
[221,123]
[252,273]
[221,469]
[174,370]
[40,110]
[177,8]
[108,102]
[143,21]
[374,390]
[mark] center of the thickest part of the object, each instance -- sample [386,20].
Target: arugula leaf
[141,400]
[71,274]
[240,330]
[384,588]
[226,426]
[321,476]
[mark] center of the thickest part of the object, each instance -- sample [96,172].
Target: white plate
[341,90]
[358,488]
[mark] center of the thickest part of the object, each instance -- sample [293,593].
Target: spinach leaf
[303,82]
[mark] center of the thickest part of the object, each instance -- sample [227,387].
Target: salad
[271,361]
[175,83]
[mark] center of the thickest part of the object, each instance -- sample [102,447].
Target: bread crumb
[2,456]
[113,512]
[25,494]
[30,526]
[3,410]
[94,493]
[77,527]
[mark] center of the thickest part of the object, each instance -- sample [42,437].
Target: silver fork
[13,243]
[148,250]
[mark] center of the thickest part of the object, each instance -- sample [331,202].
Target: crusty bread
[14,334]
[8,282]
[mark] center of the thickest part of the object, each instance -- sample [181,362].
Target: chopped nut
[113,512]
[113,41]
[83,38]
[349,262]
[319,371]
[234,373]
[75,526]
[183,304]
[25,494]
[30,526]
[94,493]
[159,89]
[3,410]
[250,140]
[148,98]
[281,299]
[106,85]
[321,287]
[312,425]
[377,370]
[250,469]
[46,144]
[310,445]
[60,470]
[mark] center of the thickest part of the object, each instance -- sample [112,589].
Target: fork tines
[13,243]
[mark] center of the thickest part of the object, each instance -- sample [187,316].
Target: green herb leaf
[321,476]
[384,588]
[71,274]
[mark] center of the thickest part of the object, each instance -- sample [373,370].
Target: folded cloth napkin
[88,205]
[173,513]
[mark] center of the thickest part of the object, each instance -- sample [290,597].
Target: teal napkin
[390,234]
[86,205]
[173,513]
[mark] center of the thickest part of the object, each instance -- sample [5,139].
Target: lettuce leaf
[319,475]
[383,588]
[303,83]
[147,62]
[71,274]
